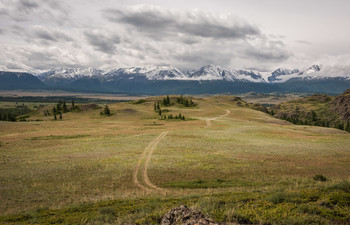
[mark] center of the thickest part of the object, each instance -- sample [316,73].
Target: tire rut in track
[147,155]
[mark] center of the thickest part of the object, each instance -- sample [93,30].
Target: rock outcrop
[186,216]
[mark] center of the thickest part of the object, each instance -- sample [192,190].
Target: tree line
[11,114]
[314,120]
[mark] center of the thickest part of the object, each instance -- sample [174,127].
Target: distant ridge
[209,79]
[14,80]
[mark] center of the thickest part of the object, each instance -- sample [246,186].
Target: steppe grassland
[88,157]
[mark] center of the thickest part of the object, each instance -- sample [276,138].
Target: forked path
[147,156]
[215,118]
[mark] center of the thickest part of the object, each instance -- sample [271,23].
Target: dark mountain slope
[13,80]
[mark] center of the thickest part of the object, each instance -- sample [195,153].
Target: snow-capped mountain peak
[209,73]
[71,73]
[312,69]
[280,74]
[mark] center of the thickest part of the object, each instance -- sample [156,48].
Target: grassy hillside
[234,163]
[319,110]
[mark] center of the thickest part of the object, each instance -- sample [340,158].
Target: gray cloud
[303,42]
[47,11]
[106,44]
[267,50]
[49,34]
[155,20]
[26,5]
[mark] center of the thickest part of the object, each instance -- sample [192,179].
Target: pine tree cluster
[171,117]
[166,101]
[185,101]
[60,108]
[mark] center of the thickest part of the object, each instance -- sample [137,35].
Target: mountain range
[210,79]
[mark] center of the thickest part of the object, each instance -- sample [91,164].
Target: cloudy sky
[37,35]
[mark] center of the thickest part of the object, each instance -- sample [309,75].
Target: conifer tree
[73,105]
[158,107]
[160,112]
[58,107]
[313,115]
[54,116]
[61,116]
[347,126]
[155,106]
[106,110]
[65,109]
[168,100]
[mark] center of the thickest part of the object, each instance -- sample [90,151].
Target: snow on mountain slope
[314,72]
[209,73]
[280,73]
[152,73]
[213,72]
[70,73]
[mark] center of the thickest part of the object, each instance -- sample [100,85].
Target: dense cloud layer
[155,20]
[38,35]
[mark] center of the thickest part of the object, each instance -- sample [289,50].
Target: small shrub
[199,181]
[320,177]
[140,101]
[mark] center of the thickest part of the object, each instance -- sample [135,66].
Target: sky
[38,35]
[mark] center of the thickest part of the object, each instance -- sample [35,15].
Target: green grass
[306,206]
[218,183]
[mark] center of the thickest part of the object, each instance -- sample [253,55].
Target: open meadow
[235,164]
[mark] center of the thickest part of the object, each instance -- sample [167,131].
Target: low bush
[320,177]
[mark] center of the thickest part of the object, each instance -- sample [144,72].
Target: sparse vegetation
[84,174]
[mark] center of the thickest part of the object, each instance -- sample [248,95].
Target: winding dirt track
[147,155]
[215,118]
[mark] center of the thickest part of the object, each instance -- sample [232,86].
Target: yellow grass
[88,157]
